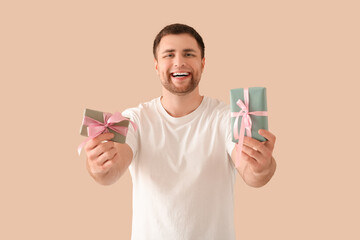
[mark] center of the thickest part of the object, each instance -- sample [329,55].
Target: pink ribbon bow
[246,123]
[95,128]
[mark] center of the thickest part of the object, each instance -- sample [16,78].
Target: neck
[179,106]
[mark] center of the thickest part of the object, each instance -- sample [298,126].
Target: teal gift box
[257,102]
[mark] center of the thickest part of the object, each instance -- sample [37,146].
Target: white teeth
[180,74]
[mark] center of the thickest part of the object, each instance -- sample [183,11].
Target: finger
[252,153]
[256,166]
[108,164]
[97,140]
[268,135]
[249,159]
[106,156]
[102,168]
[255,144]
[100,149]
[271,138]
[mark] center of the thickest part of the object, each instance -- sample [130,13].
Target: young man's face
[179,64]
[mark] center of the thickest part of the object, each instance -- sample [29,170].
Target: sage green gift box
[99,116]
[257,102]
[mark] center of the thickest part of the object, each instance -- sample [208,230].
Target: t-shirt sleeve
[226,126]
[132,135]
[229,143]
[226,129]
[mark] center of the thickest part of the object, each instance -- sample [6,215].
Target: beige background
[58,57]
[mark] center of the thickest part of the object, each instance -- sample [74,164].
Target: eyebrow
[173,50]
[168,51]
[189,50]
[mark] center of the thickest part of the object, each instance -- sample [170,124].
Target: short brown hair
[178,28]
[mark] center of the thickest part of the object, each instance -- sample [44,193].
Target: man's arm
[107,160]
[257,165]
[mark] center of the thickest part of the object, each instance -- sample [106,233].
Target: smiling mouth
[180,74]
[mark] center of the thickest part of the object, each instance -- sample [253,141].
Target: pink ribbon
[95,128]
[246,123]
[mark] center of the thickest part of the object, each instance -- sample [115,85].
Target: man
[179,159]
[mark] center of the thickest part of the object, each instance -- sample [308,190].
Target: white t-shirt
[182,173]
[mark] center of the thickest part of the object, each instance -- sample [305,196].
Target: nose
[179,61]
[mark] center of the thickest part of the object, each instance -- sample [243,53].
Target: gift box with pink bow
[248,112]
[95,123]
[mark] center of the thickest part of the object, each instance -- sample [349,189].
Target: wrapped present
[248,114]
[95,123]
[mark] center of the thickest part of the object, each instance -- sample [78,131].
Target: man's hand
[100,153]
[107,160]
[258,154]
[257,165]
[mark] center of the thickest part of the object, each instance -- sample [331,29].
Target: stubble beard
[180,91]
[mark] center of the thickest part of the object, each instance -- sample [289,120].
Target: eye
[169,55]
[189,55]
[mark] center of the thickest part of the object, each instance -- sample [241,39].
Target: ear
[202,64]
[156,65]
